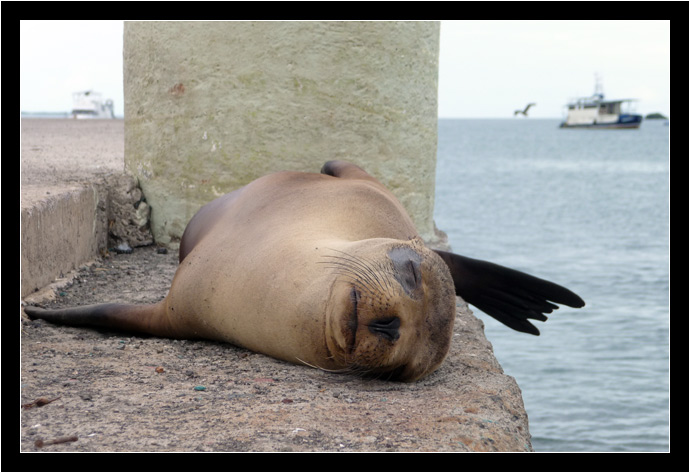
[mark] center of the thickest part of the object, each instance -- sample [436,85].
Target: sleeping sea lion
[326,270]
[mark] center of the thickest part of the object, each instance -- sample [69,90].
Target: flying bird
[524,112]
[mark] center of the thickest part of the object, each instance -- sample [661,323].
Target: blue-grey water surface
[588,209]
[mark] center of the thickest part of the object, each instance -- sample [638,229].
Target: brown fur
[322,269]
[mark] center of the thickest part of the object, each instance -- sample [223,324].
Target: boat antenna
[598,87]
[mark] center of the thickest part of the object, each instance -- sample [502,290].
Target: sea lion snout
[392,309]
[387,328]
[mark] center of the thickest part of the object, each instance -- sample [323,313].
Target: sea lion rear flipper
[345,170]
[508,295]
[150,319]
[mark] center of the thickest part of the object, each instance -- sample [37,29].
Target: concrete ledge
[59,232]
[121,392]
[65,227]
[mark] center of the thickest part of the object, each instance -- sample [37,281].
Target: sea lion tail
[508,295]
[150,319]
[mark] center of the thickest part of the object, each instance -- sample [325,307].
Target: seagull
[524,112]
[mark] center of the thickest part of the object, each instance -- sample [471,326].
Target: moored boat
[596,112]
[89,104]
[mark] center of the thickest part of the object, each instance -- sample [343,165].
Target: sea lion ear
[508,295]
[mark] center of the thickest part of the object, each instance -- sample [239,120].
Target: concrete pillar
[210,106]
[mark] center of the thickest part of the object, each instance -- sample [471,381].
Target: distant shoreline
[56,115]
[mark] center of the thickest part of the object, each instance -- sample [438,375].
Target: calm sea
[588,209]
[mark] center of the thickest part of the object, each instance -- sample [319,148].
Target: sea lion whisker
[351,273]
[354,272]
[362,286]
[357,264]
[339,370]
[379,268]
[362,263]
[350,368]
[365,266]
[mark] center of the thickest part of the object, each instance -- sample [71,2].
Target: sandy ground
[114,392]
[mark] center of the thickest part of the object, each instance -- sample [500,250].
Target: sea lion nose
[407,265]
[388,328]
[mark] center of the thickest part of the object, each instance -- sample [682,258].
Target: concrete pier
[211,106]
[115,401]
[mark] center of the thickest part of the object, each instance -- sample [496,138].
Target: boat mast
[598,87]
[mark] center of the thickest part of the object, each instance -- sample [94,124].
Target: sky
[487,68]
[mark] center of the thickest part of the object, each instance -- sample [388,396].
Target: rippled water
[588,209]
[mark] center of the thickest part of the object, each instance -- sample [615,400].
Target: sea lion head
[391,309]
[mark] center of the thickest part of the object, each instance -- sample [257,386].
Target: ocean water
[588,209]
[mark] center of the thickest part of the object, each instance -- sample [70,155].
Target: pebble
[123,248]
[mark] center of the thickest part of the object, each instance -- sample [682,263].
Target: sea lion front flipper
[508,295]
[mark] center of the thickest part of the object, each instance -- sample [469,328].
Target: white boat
[595,112]
[90,104]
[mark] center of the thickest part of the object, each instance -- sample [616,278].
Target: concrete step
[76,200]
[59,231]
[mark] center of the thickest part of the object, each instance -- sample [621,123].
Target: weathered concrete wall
[210,106]
[58,233]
